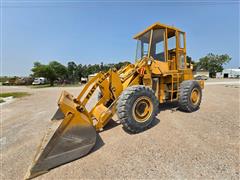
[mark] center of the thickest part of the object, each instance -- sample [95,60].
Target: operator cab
[164,44]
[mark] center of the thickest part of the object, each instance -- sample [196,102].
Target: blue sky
[91,32]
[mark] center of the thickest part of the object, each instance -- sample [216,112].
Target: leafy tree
[121,64]
[60,70]
[190,61]
[41,70]
[80,71]
[213,63]
[37,64]
[53,71]
[72,71]
[101,66]
[85,71]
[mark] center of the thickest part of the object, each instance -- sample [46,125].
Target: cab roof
[157,25]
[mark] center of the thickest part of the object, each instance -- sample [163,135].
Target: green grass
[1,101]
[14,94]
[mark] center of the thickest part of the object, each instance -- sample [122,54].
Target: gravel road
[200,145]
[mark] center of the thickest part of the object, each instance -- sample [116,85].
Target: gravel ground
[200,145]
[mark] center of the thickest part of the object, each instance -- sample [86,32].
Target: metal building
[229,73]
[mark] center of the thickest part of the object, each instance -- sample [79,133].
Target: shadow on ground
[154,123]
[98,145]
[99,142]
[173,106]
[111,124]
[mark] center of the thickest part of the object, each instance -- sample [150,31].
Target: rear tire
[137,108]
[190,96]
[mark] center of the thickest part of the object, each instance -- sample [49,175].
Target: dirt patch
[200,145]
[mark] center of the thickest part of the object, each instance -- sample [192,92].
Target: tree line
[73,72]
[212,63]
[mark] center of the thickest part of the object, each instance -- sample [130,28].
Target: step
[172,91]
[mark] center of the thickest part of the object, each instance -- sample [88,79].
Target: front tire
[137,108]
[190,96]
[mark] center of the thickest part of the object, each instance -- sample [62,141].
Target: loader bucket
[58,115]
[73,138]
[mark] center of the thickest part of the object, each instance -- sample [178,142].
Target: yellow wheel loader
[160,74]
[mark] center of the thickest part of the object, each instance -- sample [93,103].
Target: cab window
[158,45]
[181,40]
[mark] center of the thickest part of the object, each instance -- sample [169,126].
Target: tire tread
[123,107]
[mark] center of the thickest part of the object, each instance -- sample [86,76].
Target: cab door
[181,51]
[181,56]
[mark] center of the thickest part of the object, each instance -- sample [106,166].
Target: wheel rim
[142,109]
[195,96]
